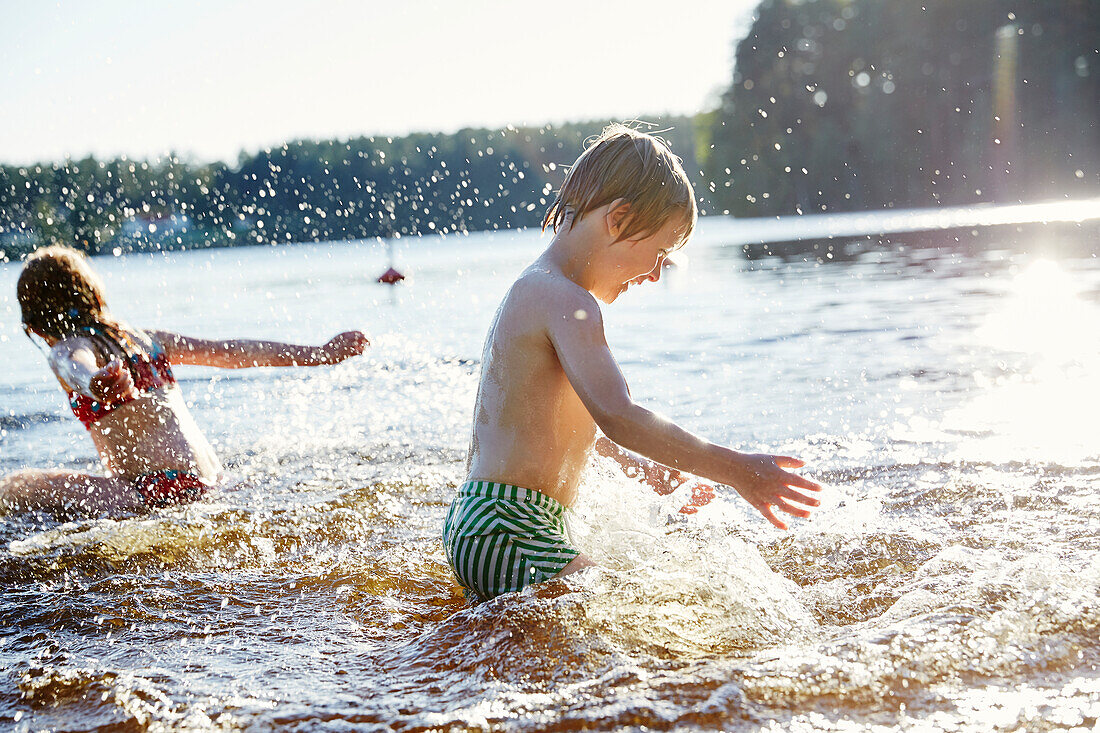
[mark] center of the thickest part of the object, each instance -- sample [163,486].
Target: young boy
[548,379]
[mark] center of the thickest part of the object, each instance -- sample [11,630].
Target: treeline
[861,104]
[304,190]
[833,105]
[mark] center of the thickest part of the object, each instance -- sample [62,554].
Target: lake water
[947,396]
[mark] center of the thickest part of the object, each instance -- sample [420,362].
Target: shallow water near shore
[947,397]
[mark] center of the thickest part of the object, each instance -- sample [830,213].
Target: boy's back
[530,427]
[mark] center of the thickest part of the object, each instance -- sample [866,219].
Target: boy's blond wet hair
[625,163]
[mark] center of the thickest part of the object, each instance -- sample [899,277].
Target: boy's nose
[655,274]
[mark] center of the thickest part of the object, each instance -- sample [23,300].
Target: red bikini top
[149,368]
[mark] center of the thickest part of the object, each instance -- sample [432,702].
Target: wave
[27,420]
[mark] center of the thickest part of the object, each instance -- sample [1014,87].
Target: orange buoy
[391,277]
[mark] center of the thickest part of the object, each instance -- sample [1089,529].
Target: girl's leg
[68,491]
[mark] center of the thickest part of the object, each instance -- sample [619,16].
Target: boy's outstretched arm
[662,479]
[575,327]
[240,353]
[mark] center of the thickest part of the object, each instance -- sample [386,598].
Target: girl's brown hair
[625,163]
[60,295]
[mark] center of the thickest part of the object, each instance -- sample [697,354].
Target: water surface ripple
[946,396]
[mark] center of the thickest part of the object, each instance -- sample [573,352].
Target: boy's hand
[701,494]
[343,346]
[763,483]
[112,383]
[667,480]
[663,480]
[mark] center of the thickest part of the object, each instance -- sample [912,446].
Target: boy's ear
[618,214]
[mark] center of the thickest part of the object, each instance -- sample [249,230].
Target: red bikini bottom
[165,488]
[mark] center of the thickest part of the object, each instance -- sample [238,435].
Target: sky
[208,78]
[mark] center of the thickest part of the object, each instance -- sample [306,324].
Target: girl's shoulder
[67,347]
[65,356]
[139,337]
[119,340]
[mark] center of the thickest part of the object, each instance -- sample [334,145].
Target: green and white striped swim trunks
[501,538]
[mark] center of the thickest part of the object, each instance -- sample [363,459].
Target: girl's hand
[112,383]
[343,346]
[761,480]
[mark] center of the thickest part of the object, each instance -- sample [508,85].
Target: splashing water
[950,580]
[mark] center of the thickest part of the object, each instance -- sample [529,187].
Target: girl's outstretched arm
[240,353]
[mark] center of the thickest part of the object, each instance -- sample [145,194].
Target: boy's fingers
[703,492]
[791,495]
[793,479]
[700,496]
[789,462]
[766,510]
[797,511]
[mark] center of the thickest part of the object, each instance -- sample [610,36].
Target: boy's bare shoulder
[552,294]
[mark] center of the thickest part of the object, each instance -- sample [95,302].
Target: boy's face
[635,261]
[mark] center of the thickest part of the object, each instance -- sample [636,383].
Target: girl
[120,386]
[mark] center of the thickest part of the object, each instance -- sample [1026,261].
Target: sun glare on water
[1045,316]
[1042,405]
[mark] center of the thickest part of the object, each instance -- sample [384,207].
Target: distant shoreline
[765,236]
